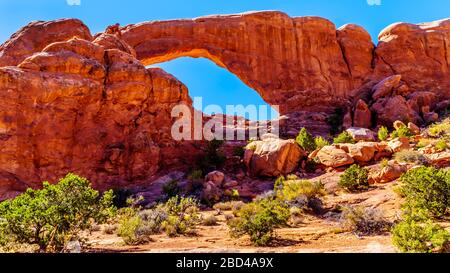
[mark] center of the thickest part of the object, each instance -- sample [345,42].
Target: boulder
[414,128]
[362,134]
[363,116]
[216,177]
[211,192]
[441,159]
[361,152]
[389,173]
[386,86]
[334,157]
[272,157]
[399,144]
[390,109]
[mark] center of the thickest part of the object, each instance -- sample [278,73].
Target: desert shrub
[128,225]
[213,158]
[427,188]
[258,220]
[416,233]
[306,140]
[278,185]
[182,216]
[292,189]
[410,156]
[239,151]
[403,131]
[343,138]
[228,206]
[383,133]
[424,142]
[364,221]
[232,195]
[321,142]
[171,188]
[54,215]
[336,120]
[384,163]
[210,220]
[439,129]
[441,145]
[354,178]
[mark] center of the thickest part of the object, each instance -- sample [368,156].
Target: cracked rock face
[73,102]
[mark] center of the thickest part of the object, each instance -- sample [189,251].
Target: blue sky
[202,77]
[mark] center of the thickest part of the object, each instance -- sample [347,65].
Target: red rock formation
[89,105]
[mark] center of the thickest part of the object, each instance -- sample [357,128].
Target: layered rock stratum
[74,102]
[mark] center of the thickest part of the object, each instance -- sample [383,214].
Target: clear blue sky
[202,77]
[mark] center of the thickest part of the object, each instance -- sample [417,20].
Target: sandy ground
[314,234]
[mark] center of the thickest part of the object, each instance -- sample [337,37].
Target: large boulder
[386,87]
[334,157]
[390,109]
[272,157]
[216,177]
[363,116]
[399,144]
[362,134]
[388,173]
[441,159]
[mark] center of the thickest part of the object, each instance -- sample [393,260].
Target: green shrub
[364,221]
[227,206]
[321,142]
[354,178]
[292,189]
[213,158]
[183,215]
[418,234]
[427,188]
[403,131]
[306,140]
[383,133]
[439,129]
[52,216]
[171,188]
[384,163]
[424,142]
[343,138]
[128,225]
[258,220]
[410,156]
[441,145]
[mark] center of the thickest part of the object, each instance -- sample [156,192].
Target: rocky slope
[75,102]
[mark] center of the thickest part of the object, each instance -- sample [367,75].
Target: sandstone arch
[283,58]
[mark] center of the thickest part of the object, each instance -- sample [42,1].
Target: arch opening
[210,85]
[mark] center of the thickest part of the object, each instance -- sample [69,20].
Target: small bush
[182,216]
[321,142]
[441,145]
[343,138]
[410,156]
[384,163]
[427,188]
[213,158]
[418,234]
[258,220]
[424,142]
[128,226]
[292,189]
[228,206]
[383,133]
[210,221]
[403,131]
[364,221]
[171,188]
[306,140]
[54,215]
[439,129]
[354,179]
